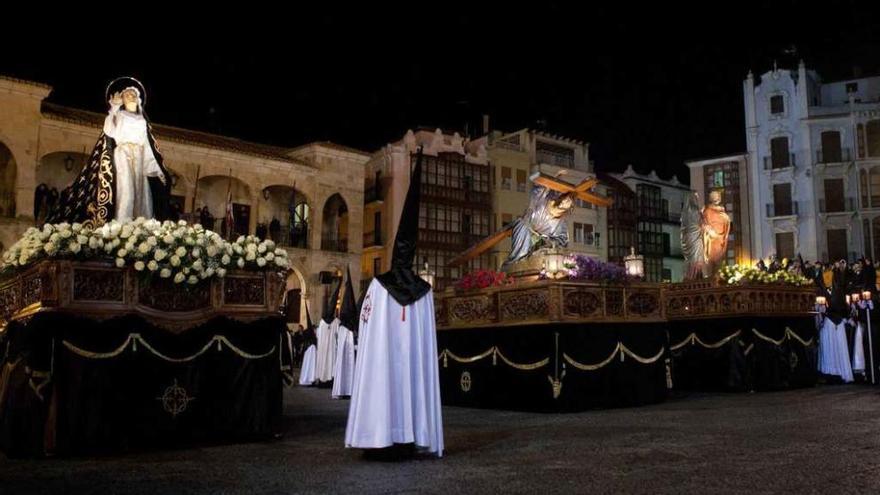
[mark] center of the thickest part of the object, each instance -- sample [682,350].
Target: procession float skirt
[99,358]
[567,345]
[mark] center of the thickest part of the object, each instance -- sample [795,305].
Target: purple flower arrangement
[581,267]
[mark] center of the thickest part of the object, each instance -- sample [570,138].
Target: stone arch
[296,295]
[293,212]
[335,224]
[213,191]
[8,181]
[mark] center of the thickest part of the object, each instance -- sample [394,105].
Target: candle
[855,297]
[820,300]
[847,299]
[866,295]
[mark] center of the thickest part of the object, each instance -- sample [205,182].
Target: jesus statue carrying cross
[543,221]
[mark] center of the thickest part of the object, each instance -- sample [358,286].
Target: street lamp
[635,263]
[427,274]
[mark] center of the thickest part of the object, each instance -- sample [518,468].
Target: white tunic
[833,350]
[307,372]
[326,357]
[396,393]
[343,374]
[134,163]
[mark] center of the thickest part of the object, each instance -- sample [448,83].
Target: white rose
[270,256]
[221,272]
[225,259]
[139,265]
[209,272]
[240,240]
[153,266]
[76,227]
[152,241]
[179,277]
[237,249]
[193,279]
[212,251]
[144,248]
[165,273]
[126,232]
[168,239]
[108,247]
[55,237]
[240,263]
[280,261]
[182,223]
[51,248]
[159,255]
[197,266]
[262,248]
[120,262]
[93,242]
[261,262]
[74,247]
[251,256]
[121,253]
[175,261]
[65,234]
[181,252]
[196,252]
[280,252]
[252,248]
[82,239]
[270,244]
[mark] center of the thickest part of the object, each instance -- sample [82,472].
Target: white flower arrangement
[189,253]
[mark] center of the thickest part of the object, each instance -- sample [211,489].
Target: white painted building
[658,216]
[813,164]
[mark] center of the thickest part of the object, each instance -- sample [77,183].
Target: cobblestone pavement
[820,440]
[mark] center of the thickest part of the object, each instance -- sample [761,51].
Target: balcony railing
[782,209]
[783,161]
[840,206]
[842,155]
[508,146]
[338,245]
[372,239]
[553,158]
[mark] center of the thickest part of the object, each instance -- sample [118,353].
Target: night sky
[649,87]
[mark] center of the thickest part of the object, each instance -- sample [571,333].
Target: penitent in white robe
[858,357]
[343,374]
[833,350]
[134,161]
[396,393]
[326,352]
[307,371]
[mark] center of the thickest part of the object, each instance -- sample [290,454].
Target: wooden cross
[580,190]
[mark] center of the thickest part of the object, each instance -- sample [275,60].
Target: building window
[506,178]
[831,151]
[718,178]
[589,237]
[779,155]
[785,245]
[578,233]
[667,275]
[521,180]
[836,239]
[782,204]
[777,105]
[873,135]
[667,244]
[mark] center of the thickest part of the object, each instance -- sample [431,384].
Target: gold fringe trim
[640,359]
[134,338]
[693,339]
[495,353]
[592,367]
[523,367]
[791,335]
[768,339]
[471,359]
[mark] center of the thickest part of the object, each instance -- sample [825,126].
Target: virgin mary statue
[124,177]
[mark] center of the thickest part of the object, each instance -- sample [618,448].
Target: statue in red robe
[715,229]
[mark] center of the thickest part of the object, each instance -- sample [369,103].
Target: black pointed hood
[401,282]
[348,313]
[309,324]
[330,308]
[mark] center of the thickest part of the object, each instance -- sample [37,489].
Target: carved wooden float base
[101,291]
